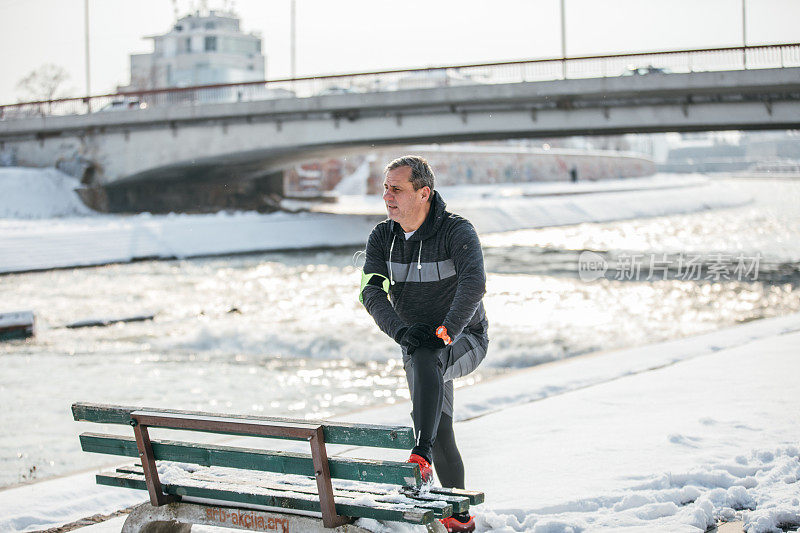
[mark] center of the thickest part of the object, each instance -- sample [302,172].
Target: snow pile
[300,487]
[355,183]
[30,193]
[776,496]
[761,488]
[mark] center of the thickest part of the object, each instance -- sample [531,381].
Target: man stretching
[430,264]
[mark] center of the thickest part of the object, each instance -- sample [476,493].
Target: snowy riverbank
[42,226]
[667,437]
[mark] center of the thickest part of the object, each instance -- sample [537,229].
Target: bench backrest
[376,471]
[379,436]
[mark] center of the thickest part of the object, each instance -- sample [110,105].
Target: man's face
[404,205]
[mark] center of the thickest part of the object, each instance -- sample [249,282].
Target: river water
[284,334]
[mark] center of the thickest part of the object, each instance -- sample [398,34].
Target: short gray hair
[421,173]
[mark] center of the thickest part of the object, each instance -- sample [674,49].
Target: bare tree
[43,83]
[151,77]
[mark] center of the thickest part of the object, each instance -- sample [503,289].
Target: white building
[201,49]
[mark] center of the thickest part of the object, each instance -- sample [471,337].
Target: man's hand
[413,337]
[417,336]
[432,340]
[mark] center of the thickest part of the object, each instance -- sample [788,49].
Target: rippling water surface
[284,334]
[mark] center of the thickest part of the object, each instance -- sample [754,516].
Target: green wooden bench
[231,486]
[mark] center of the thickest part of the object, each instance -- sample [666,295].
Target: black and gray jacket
[436,277]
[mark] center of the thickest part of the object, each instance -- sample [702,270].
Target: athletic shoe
[425,469]
[454,525]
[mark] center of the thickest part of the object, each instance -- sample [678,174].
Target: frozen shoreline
[40,244]
[667,437]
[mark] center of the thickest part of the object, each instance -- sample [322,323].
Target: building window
[210,25]
[211,44]
[188,44]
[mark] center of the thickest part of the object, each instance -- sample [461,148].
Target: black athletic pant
[446,457]
[433,428]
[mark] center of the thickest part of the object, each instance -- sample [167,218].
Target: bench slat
[441,505]
[373,471]
[460,504]
[398,437]
[272,498]
[475,498]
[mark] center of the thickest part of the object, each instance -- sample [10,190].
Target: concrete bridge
[247,141]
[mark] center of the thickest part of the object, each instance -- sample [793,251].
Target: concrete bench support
[178,517]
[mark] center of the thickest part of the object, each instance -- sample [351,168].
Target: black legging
[426,398]
[434,429]
[446,457]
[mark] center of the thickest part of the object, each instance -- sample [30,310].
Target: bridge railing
[633,64]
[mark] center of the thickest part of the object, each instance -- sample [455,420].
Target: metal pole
[744,33]
[88,75]
[563,41]
[293,17]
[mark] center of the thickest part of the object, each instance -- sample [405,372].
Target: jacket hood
[432,223]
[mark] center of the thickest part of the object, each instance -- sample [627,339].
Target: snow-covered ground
[43,225]
[667,437]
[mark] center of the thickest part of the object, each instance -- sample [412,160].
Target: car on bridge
[644,71]
[337,89]
[123,104]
